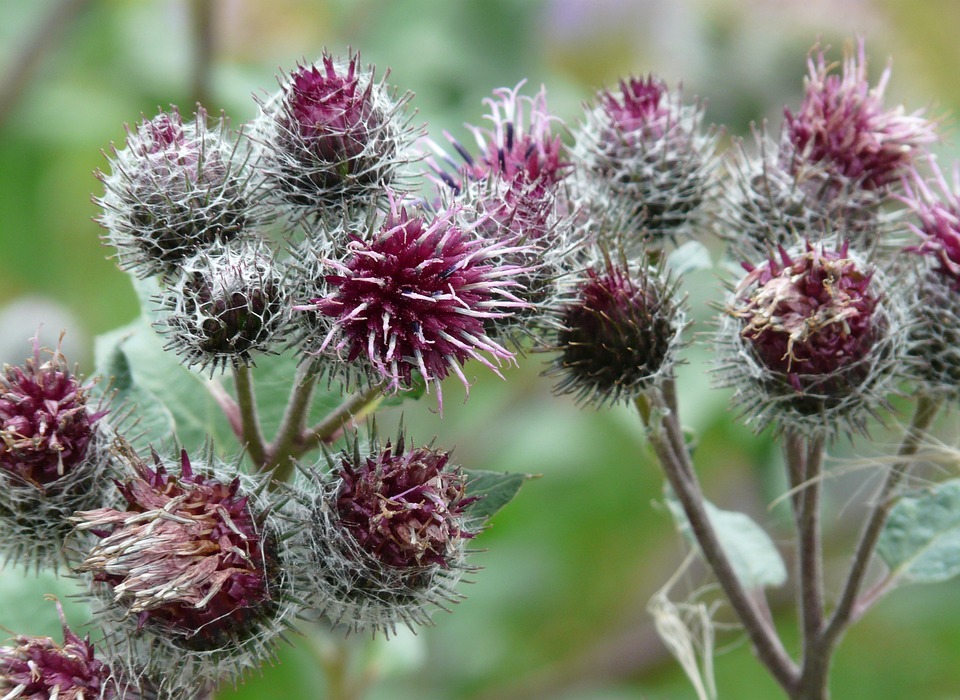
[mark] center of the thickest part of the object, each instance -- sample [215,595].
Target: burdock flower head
[225,307]
[418,299]
[617,334]
[815,339]
[937,290]
[332,134]
[843,129]
[38,668]
[641,152]
[175,189]
[194,559]
[51,460]
[388,532]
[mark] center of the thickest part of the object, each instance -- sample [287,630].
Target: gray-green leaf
[493,489]
[920,541]
[752,553]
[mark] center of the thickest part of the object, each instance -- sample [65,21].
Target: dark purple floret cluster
[403,508]
[46,424]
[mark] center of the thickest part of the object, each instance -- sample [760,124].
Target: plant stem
[923,416]
[347,412]
[250,433]
[202,25]
[679,472]
[284,447]
[816,656]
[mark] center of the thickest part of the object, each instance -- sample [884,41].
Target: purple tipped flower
[843,127]
[46,425]
[939,221]
[332,133]
[645,163]
[37,668]
[402,507]
[418,298]
[189,556]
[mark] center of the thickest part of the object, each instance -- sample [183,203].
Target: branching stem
[662,428]
[923,417]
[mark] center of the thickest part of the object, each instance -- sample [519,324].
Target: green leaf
[167,400]
[25,608]
[493,490]
[920,541]
[752,553]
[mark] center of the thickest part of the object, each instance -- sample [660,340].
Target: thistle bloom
[46,425]
[194,559]
[225,308]
[332,134]
[645,161]
[817,334]
[388,534]
[937,290]
[939,221]
[417,299]
[37,668]
[174,190]
[51,461]
[843,128]
[617,334]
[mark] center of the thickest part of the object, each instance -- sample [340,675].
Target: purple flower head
[332,135]
[189,556]
[617,334]
[843,127]
[939,217]
[418,298]
[332,112]
[402,507]
[37,668]
[519,148]
[46,425]
[811,319]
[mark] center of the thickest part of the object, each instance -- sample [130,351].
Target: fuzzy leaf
[754,557]
[920,541]
[166,399]
[493,489]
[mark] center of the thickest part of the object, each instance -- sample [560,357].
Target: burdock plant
[303,271]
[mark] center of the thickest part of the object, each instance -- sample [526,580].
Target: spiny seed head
[175,189]
[935,332]
[817,336]
[387,529]
[190,556]
[641,152]
[417,298]
[617,334]
[939,221]
[333,134]
[225,307]
[38,668]
[843,128]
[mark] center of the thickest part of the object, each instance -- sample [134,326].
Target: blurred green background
[558,610]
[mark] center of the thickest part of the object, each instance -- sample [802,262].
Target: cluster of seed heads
[322,229]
